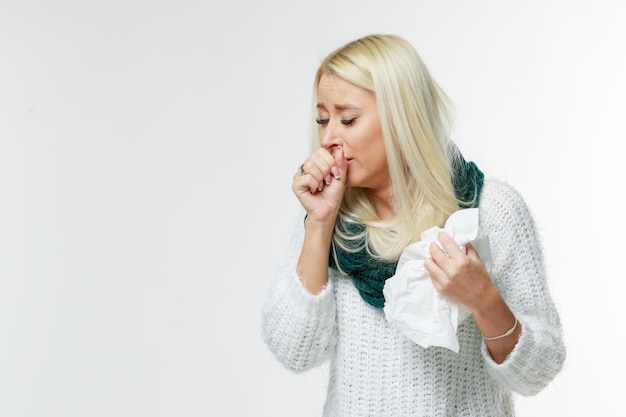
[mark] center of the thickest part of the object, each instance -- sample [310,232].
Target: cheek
[366,144]
[377,146]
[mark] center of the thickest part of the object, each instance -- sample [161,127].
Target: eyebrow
[339,107]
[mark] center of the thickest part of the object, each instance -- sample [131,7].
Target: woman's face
[348,117]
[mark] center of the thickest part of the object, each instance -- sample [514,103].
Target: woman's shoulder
[500,192]
[501,202]
[494,187]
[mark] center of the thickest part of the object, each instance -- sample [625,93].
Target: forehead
[333,90]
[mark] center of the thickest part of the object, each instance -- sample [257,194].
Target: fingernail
[335,171]
[320,187]
[327,179]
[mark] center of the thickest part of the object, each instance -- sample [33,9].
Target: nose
[330,135]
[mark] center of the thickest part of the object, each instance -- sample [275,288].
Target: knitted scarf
[368,273]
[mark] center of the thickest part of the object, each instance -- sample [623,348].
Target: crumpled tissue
[412,304]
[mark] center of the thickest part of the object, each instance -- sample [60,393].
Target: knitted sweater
[376,371]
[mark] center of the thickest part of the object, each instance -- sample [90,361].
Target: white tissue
[412,304]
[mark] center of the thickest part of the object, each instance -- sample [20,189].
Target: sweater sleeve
[298,327]
[519,274]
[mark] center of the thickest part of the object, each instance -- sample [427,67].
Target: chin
[355,184]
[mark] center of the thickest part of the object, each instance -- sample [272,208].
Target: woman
[383,171]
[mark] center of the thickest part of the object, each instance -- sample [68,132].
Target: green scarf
[369,274]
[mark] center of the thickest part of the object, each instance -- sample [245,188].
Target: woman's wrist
[313,262]
[493,316]
[323,228]
[503,335]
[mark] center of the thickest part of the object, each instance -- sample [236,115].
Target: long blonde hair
[414,117]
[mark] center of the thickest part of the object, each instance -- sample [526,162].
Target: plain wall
[146,156]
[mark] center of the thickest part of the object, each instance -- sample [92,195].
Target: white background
[146,155]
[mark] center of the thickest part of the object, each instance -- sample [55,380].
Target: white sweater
[376,371]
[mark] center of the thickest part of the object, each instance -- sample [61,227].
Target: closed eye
[321,121]
[348,122]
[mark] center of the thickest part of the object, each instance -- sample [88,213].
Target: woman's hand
[320,182]
[463,278]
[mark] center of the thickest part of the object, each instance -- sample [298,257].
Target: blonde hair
[415,119]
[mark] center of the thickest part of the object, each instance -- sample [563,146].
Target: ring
[302,172]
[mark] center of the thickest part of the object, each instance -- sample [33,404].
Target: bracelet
[507,333]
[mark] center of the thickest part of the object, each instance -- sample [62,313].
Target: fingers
[320,169]
[448,260]
[458,275]
[340,170]
[449,253]
[317,170]
[446,252]
[471,252]
[319,183]
[449,245]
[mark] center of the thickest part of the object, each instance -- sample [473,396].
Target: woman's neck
[383,203]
